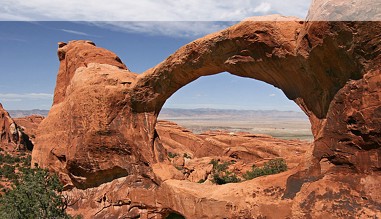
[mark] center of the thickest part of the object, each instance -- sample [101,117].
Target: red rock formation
[29,124]
[80,56]
[89,135]
[12,135]
[8,129]
[102,125]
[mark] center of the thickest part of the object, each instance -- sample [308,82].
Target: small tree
[36,195]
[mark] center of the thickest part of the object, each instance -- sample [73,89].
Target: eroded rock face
[12,136]
[102,125]
[29,125]
[8,129]
[89,134]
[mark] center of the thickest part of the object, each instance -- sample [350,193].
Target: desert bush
[27,160]
[172,155]
[224,178]
[201,181]
[221,175]
[8,171]
[10,160]
[271,167]
[36,195]
[179,167]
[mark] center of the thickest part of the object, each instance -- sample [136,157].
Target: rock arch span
[101,127]
[311,64]
[102,123]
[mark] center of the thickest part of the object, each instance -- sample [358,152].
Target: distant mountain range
[23,113]
[202,113]
[281,124]
[172,113]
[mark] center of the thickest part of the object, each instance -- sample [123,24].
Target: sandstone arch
[330,69]
[307,61]
[102,124]
[273,52]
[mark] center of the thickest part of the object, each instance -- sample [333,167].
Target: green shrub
[271,167]
[217,167]
[179,167]
[8,171]
[10,160]
[221,175]
[37,195]
[27,160]
[224,178]
[172,155]
[201,181]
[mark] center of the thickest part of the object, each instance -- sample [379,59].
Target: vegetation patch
[187,156]
[29,193]
[271,167]
[221,175]
[201,181]
[172,155]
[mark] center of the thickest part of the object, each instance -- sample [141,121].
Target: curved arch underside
[278,53]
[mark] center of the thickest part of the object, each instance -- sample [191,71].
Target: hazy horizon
[169,108]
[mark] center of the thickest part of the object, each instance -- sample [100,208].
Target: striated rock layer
[101,130]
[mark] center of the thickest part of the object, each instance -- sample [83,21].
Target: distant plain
[279,124]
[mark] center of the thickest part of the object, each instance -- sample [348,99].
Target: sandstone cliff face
[8,128]
[12,136]
[88,136]
[102,125]
[29,125]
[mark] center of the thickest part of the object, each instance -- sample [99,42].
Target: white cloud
[10,100]
[297,8]
[108,13]
[13,97]
[179,10]
[75,32]
[272,95]
[148,15]
[78,32]
[146,10]
[264,7]
[12,39]
[166,28]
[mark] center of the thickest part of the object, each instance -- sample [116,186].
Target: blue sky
[29,63]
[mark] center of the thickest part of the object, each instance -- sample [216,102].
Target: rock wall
[8,128]
[12,136]
[89,136]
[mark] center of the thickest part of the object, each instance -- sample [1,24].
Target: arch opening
[236,104]
[211,123]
